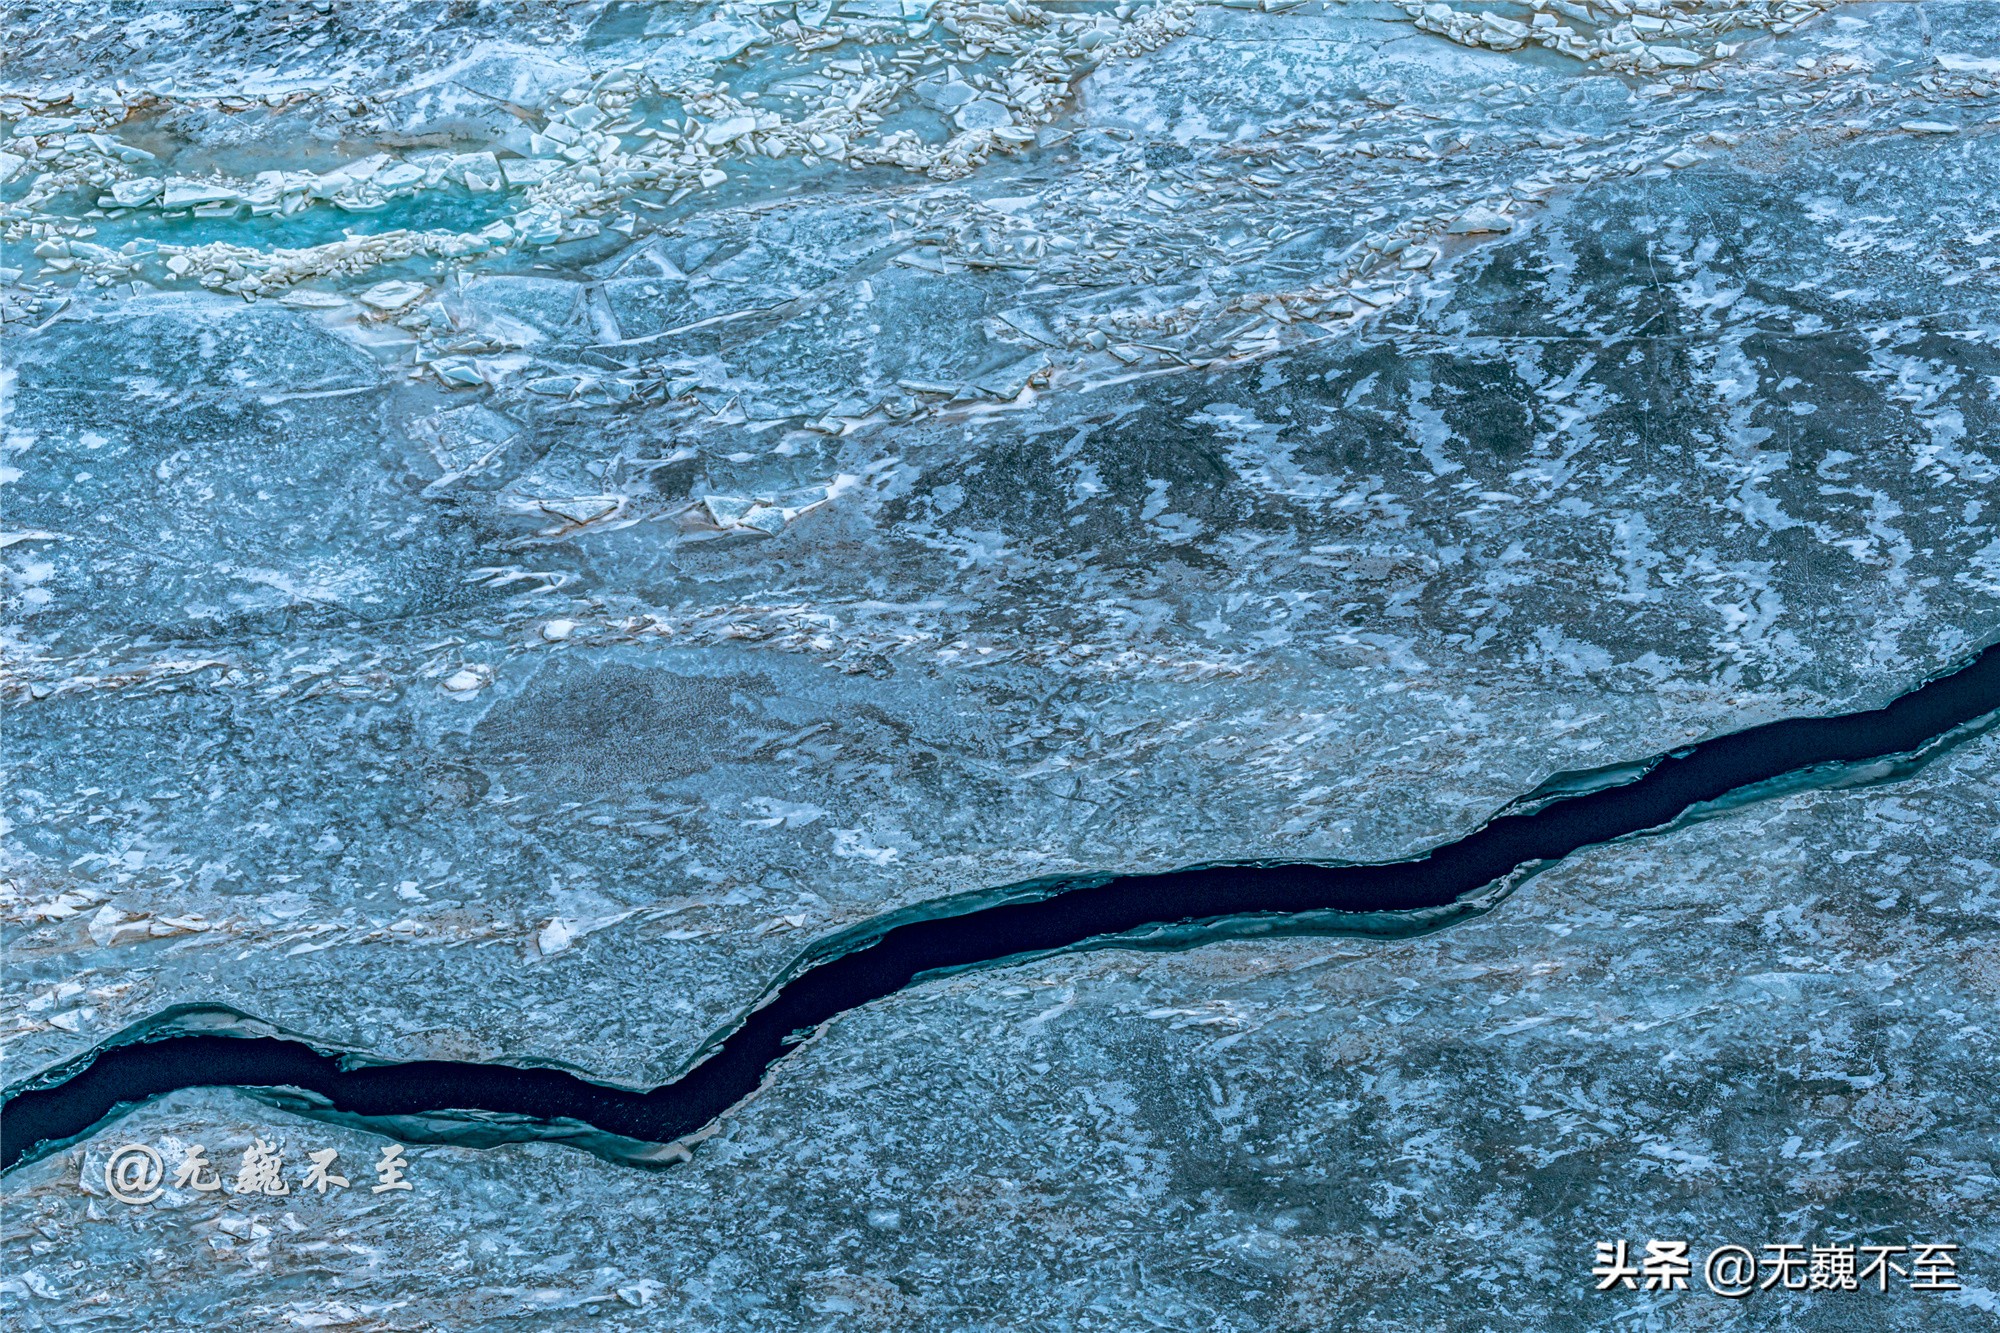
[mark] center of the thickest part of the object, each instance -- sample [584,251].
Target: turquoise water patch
[445,209]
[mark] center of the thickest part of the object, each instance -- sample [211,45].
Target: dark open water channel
[856,968]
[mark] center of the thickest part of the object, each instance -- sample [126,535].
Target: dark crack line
[852,969]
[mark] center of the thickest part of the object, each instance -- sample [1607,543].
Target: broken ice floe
[467,681]
[762,515]
[1142,259]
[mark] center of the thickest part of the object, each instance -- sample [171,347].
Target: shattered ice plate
[533,529]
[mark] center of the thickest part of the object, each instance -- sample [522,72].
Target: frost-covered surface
[1774,1026]
[522,516]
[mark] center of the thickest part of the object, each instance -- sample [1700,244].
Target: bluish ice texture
[513,630]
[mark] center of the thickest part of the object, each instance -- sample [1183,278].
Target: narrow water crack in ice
[491,1103]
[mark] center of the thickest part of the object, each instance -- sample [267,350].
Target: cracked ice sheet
[1776,1025]
[413,732]
[519,655]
